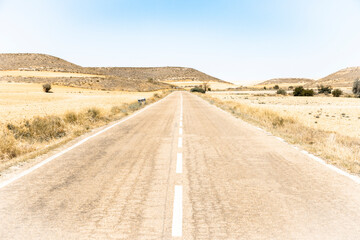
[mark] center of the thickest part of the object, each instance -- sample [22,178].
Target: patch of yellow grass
[37,134]
[19,101]
[338,148]
[45,74]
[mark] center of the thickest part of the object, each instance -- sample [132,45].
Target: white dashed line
[180,131]
[177,212]
[180,142]
[179,163]
[180,124]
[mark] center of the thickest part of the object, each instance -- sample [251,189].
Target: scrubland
[33,122]
[325,126]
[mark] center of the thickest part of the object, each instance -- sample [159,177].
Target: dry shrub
[8,147]
[39,129]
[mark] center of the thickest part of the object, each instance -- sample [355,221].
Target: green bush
[300,91]
[337,92]
[324,89]
[197,89]
[281,91]
[276,87]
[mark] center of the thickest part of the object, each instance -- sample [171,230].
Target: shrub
[337,92]
[8,147]
[300,91]
[93,114]
[356,87]
[47,87]
[276,87]
[134,106]
[323,89]
[71,117]
[290,87]
[197,89]
[264,88]
[281,91]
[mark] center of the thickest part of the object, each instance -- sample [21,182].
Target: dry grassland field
[212,85]
[340,115]
[325,126]
[45,74]
[33,122]
[20,101]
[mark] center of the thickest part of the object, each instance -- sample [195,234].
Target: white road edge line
[179,163]
[33,168]
[180,142]
[356,179]
[180,131]
[177,212]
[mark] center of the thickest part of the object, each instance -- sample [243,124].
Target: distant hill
[35,62]
[343,78]
[112,78]
[156,73]
[282,82]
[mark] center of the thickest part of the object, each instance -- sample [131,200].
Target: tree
[276,87]
[47,87]
[337,92]
[356,87]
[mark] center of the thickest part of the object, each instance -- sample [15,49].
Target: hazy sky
[238,41]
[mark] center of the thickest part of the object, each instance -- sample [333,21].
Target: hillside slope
[283,82]
[113,78]
[342,78]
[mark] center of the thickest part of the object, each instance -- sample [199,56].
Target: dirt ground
[212,85]
[341,115]
[20,101]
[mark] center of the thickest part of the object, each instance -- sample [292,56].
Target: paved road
[235,182]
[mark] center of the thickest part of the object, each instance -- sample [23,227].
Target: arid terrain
[21,101]
[343,78]
[323,125]
[37,68]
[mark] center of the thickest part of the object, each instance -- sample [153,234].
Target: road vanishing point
[179,169]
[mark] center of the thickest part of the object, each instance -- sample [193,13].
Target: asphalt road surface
[181,169]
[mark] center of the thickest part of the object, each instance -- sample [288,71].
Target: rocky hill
[343,78]
[112,78]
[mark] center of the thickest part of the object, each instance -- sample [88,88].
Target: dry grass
[32,135]
[45,74]
[334,146]
[20,101]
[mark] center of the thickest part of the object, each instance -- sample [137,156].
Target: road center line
[180,142]
[179,163]
[180,124]
[180,131]
[177,212]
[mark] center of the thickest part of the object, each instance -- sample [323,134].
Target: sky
[238,41]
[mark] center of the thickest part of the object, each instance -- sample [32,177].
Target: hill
[342,78]
[285,82]
[109,78]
